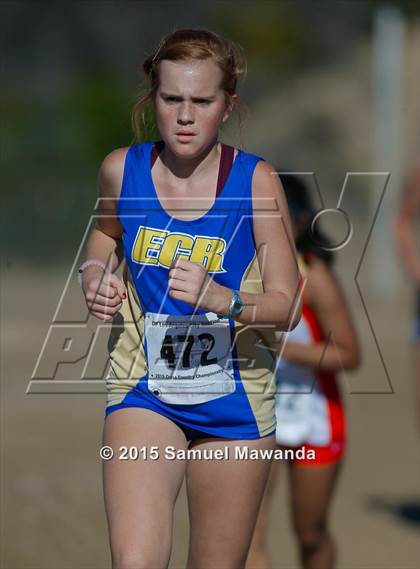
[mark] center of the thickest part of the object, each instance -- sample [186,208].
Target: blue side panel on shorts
[228,417]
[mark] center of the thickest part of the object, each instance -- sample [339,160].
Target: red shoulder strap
[156,150]
[226,162]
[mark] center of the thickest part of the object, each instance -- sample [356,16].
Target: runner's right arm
[103,292]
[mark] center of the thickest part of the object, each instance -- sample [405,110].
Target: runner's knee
[139,559]
[140,551]
[310,537]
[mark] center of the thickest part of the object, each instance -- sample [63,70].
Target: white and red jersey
[309,409]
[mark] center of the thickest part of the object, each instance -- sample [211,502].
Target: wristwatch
[236,305]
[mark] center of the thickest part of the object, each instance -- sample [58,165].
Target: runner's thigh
[140,494]
[224,497]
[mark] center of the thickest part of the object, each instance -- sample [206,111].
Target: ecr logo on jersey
[159,247]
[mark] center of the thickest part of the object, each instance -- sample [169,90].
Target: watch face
[237,305]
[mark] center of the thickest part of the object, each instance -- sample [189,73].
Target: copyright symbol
[106,453]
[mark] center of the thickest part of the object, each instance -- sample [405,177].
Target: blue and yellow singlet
[211,375]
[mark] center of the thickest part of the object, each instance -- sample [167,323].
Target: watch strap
[235,298]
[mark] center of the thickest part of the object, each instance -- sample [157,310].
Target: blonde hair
[182,45]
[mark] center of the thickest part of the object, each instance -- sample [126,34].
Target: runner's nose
[185,114]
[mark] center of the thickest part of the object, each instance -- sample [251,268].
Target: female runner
[210,274]
[310,415]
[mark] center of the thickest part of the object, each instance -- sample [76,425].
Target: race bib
[302,413]
[293,412]
[189,357]
[301,407]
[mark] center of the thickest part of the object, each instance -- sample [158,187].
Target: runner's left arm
[279,305]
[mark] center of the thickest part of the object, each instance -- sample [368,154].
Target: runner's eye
[172,99]
[202,102]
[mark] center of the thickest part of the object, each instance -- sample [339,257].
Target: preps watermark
[225,453]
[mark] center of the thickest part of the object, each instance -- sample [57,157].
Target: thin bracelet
[88,263]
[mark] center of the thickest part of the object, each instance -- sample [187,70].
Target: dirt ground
[52,514]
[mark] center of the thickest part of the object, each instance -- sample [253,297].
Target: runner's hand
[103,292]
[191,283]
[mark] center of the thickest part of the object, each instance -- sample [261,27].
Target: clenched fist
[191,283]
[103,292]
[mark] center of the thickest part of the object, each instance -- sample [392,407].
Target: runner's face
[190,105]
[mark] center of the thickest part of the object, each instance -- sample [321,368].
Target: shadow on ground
[407,510]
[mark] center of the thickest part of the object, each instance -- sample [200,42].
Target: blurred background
[332,91]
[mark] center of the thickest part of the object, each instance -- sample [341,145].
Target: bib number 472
[205,341]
